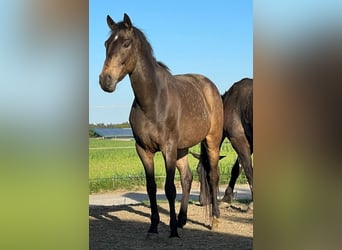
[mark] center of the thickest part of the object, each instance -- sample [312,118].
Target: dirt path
[125,227]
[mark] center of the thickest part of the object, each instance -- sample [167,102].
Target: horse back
[202,103]
[201,88]
[238,109]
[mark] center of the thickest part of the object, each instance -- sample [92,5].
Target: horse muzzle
[107,83]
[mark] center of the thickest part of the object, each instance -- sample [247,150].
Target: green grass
[114,164]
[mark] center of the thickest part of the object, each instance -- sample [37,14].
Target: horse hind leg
[228,194]
[147,160]
[186,180]
[243,150]
[213,151]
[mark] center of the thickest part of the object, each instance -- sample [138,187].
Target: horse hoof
[180,225]
[250,206]
[227,199]
[150,236]
[181,222]
[153,230]
[215,223]
[174,234]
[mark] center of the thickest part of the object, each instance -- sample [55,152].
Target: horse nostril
[105,79]
[108,79]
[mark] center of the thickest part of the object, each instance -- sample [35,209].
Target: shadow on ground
[125,227]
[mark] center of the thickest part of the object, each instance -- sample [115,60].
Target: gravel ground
[118,220]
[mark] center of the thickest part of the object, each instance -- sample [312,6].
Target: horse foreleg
[186,180]
[170,156]
[147,160]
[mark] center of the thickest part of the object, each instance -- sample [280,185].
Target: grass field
[114,164]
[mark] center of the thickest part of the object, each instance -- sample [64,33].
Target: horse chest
[152,134]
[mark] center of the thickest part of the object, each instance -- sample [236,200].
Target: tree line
[110,125]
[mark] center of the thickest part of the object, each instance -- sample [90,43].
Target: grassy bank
[114,164]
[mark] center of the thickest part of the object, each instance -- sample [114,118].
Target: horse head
[120,59]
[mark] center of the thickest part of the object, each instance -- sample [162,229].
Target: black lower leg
[170,191]
[152,191]
[236,170]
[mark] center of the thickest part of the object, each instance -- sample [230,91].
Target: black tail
[203,169]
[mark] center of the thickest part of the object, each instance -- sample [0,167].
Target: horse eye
[127,43]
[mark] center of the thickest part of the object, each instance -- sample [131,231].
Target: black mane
[163,65]
[144,43]
[146,46]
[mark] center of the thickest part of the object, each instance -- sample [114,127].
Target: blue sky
[212,38]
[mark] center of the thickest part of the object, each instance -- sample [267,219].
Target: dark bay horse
[169,114]
[238,128]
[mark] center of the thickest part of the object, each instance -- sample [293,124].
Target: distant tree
[91,133]
[122,125]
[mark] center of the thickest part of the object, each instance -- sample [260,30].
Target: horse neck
[144,82]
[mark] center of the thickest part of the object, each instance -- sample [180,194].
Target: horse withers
[170,113]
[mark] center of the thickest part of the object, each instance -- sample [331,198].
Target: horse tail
[203,170]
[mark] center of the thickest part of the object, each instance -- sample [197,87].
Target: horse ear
[111,22]
[127,21]
[197,156]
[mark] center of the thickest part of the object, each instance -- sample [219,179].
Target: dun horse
[238,128]
[169,114]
